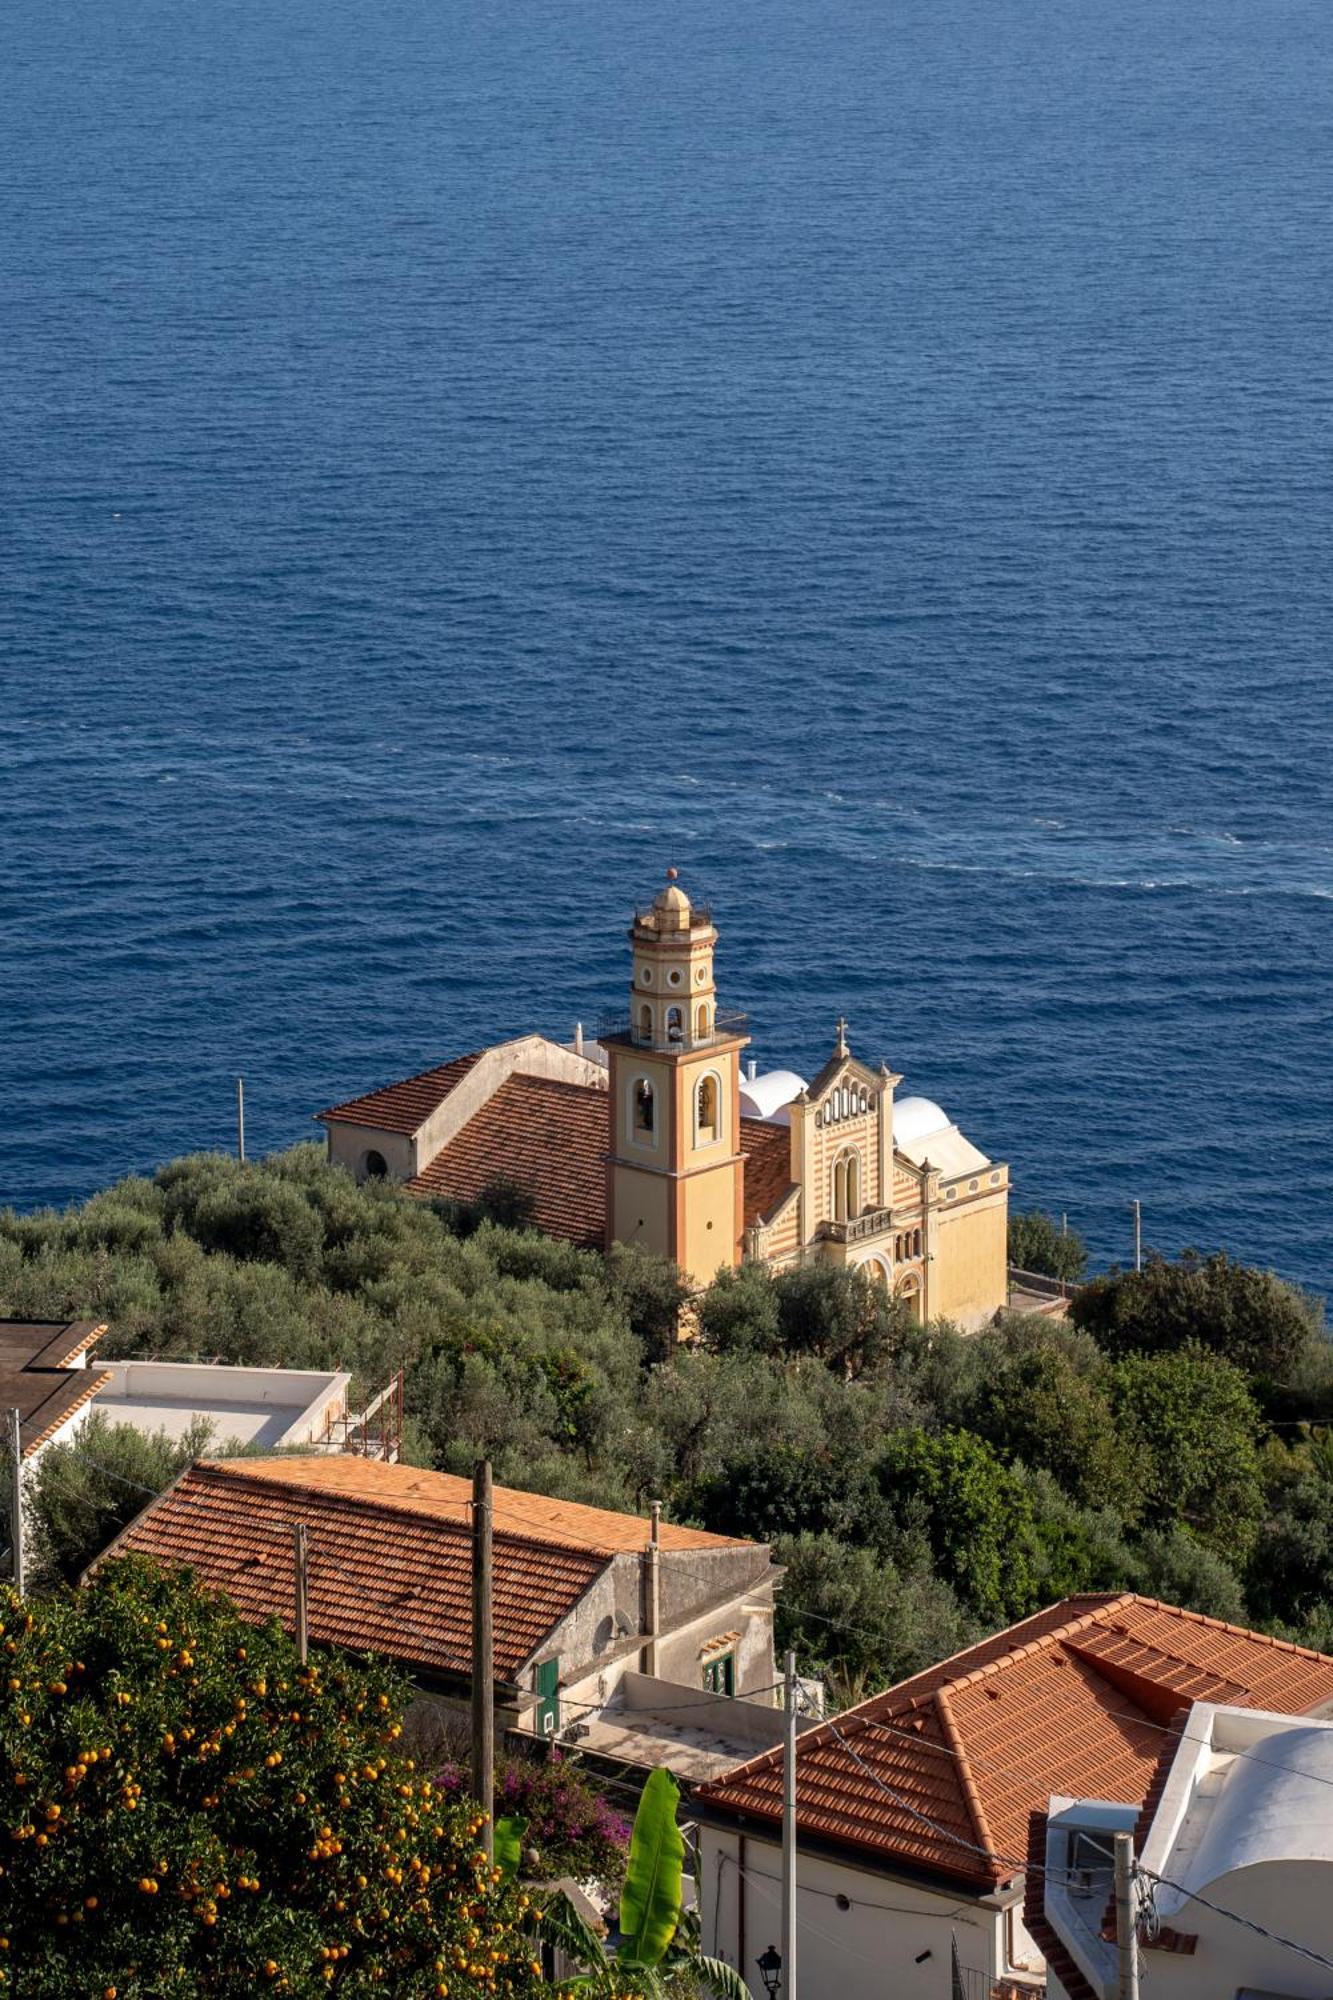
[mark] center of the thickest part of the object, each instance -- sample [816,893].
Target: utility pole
[1138,1236]
[652,1611]
[16,1498]
[240,1119]
[1126,1926]
[301,1547]
[483,1654]
[790,1696]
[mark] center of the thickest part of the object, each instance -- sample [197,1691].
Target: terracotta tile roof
[1059,1959]
[37,1375]
[550,1139]
[405,1106]
[767,1150]
[1073,1700]
[384,1578]
[442,1496]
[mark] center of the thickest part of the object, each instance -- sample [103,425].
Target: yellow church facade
[658,1135]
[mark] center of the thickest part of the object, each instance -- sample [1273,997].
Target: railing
[622,1028]
[376,1431]
[700,914]
[876,1222]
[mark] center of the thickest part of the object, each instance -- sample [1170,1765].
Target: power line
[1234,1916]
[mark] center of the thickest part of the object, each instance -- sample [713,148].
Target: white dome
[916,1118]
[767,1096]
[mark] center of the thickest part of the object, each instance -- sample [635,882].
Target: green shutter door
[548,1698]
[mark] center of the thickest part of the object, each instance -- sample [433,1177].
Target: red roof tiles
[405,1106]
[767,1150]
[550,1139]
[1072,1700]
[38,1375]
[384,1578]
[533,1517]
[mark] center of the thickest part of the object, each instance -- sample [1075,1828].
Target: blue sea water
[874,454]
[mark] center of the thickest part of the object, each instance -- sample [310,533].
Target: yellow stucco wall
[641,1209]
[968,1278]
[710,1225]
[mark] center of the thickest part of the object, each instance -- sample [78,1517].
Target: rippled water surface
[874,453]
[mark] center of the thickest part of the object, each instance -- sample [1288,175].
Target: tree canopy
[190,1810]
[912,1474]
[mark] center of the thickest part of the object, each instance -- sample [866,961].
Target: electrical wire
[1234,1916]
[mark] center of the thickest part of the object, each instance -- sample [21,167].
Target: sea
[458,460]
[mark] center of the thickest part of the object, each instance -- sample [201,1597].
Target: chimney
[578,1038]
[751,1068]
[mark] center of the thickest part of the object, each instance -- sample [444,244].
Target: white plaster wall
[868,1951]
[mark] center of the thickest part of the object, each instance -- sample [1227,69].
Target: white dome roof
[916,1118]
[767,1095]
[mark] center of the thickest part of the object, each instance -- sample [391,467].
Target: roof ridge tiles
[395,1508]
[969,1784]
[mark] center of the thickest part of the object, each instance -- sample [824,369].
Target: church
[658,1134]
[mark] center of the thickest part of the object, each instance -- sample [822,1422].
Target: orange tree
[186,1809]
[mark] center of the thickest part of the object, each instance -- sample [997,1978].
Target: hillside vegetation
[920,1486]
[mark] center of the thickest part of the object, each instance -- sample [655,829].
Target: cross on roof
[842,1036]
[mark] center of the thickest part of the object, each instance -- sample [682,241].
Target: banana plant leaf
[509,1845]
[650,1903]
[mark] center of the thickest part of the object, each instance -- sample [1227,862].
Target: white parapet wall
[258,1406]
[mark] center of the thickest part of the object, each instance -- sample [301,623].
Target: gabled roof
[382,1578]
[443,1496]
[549,1138]
[942,1773]
[390,1567]
[40,1376]
[403,1107]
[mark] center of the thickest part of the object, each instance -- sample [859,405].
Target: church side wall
[969,1278]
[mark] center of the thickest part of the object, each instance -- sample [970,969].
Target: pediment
[839,1070]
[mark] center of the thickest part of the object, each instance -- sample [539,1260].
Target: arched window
[643,1105]
[916,1242]
[646,1022]
[706,1109]
[675,1025]
[701,1019]
[897,1249]
[376,1166]
[847,1186]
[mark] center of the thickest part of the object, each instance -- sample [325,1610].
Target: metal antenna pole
[301,1545]
[16,1498]
[1126,1927]
[240,1119]
[1138,1236]
[790,1696]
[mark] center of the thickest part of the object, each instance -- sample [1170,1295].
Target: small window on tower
[707,1108]
[643,1105]
[646,1022]
[701,1020]
[675,1025]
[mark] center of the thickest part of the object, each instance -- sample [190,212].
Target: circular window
[377,1166]
[646,975]
[698,975]
[673,977]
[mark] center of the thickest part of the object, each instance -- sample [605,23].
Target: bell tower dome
[675,1174]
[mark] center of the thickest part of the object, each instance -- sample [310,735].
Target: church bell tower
[675,1172]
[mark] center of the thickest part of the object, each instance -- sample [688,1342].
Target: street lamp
[770,1970]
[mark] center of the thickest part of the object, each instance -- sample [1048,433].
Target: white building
[916,1810]
[1240,1815]
[270,1408]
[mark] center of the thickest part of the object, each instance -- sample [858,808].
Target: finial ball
[672,874]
